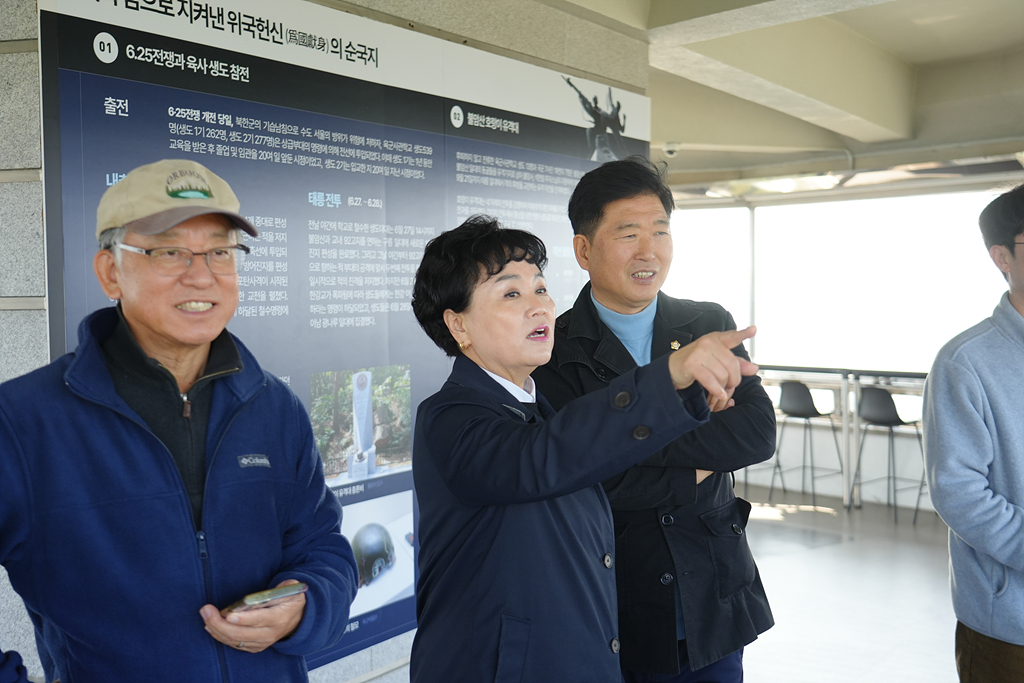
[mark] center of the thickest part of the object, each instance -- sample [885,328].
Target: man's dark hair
[610,182]
[1003,219]
[453,265]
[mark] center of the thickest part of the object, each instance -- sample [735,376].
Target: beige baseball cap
[154,198]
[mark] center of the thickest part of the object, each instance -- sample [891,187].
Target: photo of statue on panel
[362,422]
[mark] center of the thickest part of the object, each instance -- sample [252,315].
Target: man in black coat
[690,597]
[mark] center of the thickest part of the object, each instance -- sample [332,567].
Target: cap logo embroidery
[186,184]
[253,461]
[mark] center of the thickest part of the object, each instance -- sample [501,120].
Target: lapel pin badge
[675,345]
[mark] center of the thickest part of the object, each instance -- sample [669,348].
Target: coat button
[622,399]
[561,324]
[607,559]
[615,645]
[736,529]
[667,520]
[667,578]
[600,373]
[641,432]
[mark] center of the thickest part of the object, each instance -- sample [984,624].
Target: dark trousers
[728,669]
[980,659]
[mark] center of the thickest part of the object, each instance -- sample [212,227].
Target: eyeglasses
[177,260]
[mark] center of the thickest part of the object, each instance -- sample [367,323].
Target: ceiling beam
[815,70]
[690,116]
[678,23]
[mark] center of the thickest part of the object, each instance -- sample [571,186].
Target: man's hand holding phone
[259,620]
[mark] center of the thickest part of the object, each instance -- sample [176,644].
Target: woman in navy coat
[516,562]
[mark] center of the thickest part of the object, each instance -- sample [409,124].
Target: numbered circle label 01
[105,47]
[458,118]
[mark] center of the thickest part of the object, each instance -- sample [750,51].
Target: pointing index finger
[734,338]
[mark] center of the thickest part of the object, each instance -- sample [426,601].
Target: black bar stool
[796,401]
[877,408]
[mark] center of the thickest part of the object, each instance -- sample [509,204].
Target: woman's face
[508,326]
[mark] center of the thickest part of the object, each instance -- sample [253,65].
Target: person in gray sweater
[974,455]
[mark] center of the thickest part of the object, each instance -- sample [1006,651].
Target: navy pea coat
[516,562]
[670,532]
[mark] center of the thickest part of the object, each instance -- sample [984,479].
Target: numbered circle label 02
[105,47]
[458,118]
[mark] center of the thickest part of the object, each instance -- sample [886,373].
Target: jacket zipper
[204,551]
[204,555]
[186,405]
[204,559]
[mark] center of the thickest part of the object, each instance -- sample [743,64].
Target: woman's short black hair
[452,267]
[610,182]
[1003,219]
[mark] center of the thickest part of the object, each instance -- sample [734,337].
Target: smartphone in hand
[265,598]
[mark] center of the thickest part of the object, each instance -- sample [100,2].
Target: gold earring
[463,346]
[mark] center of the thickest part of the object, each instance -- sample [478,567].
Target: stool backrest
[877,407]
[796,400]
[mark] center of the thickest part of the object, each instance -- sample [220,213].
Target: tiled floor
[856,598]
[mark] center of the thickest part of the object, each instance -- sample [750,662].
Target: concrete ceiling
[753,88]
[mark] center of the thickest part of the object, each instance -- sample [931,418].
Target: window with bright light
[872,284]
[711,260]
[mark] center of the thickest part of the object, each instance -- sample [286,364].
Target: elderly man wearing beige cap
[157,474]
